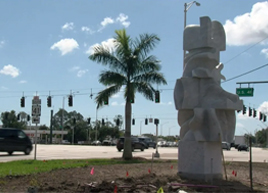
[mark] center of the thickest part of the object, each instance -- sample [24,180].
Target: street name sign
[244,92]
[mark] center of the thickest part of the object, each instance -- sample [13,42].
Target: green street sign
[246,92]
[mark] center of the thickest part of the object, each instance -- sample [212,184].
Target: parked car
[65,142]
[148,142]
[12,139]
[136,144]
[106,142]
[242,148]
[226,145]
[96,143]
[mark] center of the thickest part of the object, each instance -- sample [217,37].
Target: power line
[255,69]
[245,50]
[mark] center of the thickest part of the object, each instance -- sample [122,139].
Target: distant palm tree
[129,67]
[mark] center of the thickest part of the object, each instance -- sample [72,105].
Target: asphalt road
[49,152]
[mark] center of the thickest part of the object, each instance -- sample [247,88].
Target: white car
[65,142]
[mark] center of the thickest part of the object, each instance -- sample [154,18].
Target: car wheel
[27,151]
[10,152]
[119,149]
[142,148]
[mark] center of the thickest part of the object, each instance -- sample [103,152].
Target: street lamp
[62,114]
[169,130]
[140,127]
[186,8]
[162,127]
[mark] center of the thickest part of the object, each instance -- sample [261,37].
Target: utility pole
[51,122]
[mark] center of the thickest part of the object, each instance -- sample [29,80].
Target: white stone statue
[206,112]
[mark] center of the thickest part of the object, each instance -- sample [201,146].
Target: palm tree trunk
[127,154]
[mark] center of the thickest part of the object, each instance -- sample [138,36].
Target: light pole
[96,124]
[162,128]
[186,8]
[140,127]
[169,129]
[62,114]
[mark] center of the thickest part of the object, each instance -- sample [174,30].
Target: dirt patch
[136,178]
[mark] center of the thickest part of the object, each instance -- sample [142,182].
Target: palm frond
[145,44]
[146,90]
[150,77]
[102,55]
[106,93]
[108,78]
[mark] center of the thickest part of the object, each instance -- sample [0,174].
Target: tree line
[83,130]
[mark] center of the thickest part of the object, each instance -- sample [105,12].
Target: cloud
[122,19]
[265,52]
[80,73]
[240,116]
[68,26]
[87,30]
[109,44]
[106,21]
[263,107]
[239,125]
[10,70]
[22,82]
[114,103]
[2,43]
[248,28]
[75,68]
[65,45]
[116,96]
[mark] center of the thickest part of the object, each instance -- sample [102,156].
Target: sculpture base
[200,160]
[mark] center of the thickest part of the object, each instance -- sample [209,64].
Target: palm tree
[130,68]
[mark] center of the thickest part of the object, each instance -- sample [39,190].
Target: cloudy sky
[44,49]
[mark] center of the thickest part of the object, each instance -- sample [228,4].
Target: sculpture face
[206,111]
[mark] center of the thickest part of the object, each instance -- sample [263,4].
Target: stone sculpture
[206,112]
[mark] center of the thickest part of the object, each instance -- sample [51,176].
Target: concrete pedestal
[200,160]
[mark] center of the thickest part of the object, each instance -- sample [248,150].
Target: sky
[44,49]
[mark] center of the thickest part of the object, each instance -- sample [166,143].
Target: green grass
[26,167]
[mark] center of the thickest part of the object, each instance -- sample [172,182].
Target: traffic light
[132,100]
[70,100]
[106,101]
[254,113]
[156,121]
[261,115]
[264,118]
[146,121]
[28,117]
[102,122]
[49,101]
[117,122]
[18,117]
[249,111]
[157,96]
[88,120]
[133,121]
[22,102]
[244,109]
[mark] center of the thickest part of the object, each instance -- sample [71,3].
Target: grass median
[26,167]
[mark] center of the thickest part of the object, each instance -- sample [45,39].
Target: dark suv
[148,142]
[136,144]
[14,140]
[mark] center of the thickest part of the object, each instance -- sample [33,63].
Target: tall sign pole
[36,113]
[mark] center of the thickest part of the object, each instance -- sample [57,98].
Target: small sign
[36,120]
[246,92]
